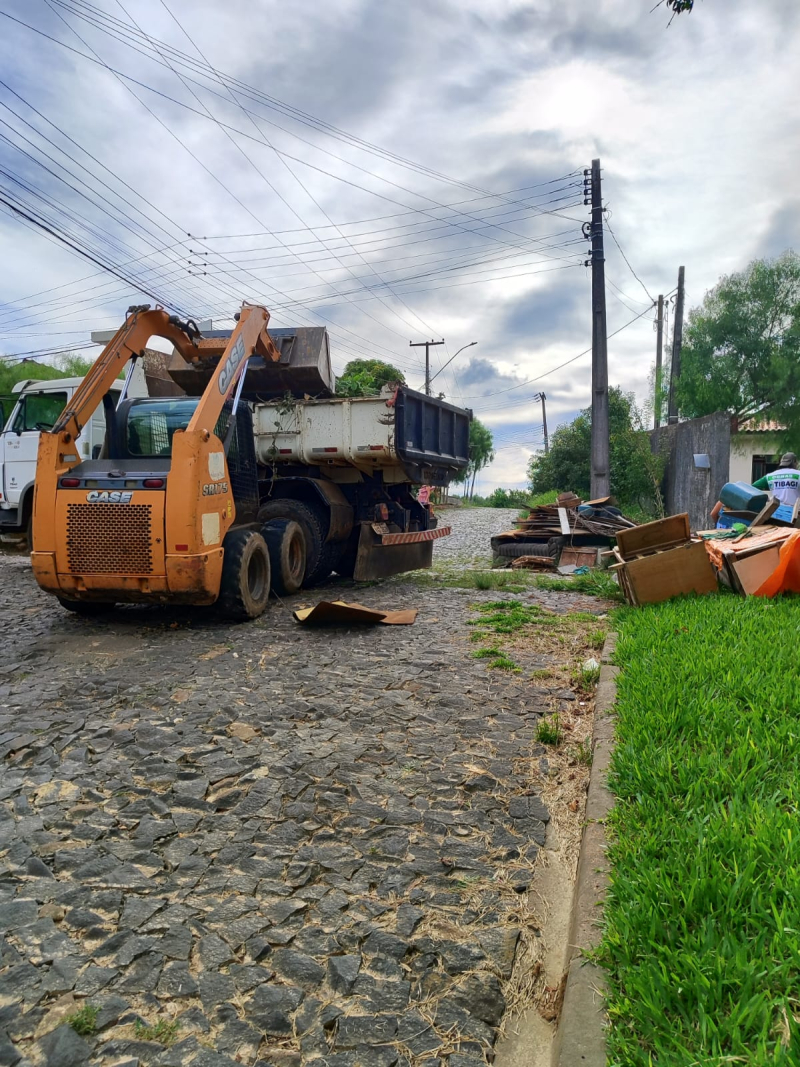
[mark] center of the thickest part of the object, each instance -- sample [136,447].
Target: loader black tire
[244,587]
[87,608]
[311,522]
[286,543]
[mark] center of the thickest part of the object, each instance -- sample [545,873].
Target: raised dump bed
[407,436]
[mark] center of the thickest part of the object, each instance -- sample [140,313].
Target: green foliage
[498,660]
[539,499]
[595,583]
[508,498]
[508,616]
[702,921]
[69,366]
[481,453]
[366,377]
[741,348]
[584,753]
[84,1021]
[164,1031]
[549,732]
[635,472]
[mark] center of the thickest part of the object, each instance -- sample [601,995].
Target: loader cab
[145,430]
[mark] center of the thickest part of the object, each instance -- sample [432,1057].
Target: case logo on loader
[109,496]
[231,365]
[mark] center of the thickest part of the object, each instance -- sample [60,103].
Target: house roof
[756,424]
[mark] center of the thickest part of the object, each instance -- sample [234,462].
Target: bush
[635,472]
[508,498]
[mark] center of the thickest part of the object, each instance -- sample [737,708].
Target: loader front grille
[109,539]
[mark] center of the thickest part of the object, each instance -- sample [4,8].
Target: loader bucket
[304,367]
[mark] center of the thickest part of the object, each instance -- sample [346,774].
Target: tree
[635,472]
[481,454]
[13,371]
[366,377]
[676,6]
[741,350]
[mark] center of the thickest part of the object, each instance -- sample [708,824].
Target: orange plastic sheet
[786,576]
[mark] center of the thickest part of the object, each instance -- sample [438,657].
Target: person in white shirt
[784,483]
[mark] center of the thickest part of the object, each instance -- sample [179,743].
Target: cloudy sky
[395,171]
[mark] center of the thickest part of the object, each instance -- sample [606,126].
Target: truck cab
[38,406]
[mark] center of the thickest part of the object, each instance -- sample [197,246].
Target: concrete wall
[685,488]
[746,445]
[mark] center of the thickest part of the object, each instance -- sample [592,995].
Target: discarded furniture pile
[753,552]
[660,560]
[565,536]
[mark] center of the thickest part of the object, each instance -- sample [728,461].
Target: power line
[630,268]
[552,370]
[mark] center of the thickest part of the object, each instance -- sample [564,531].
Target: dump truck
[233,490]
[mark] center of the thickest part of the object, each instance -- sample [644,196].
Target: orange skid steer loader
[168,512]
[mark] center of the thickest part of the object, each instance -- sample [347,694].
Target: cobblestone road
[258,844]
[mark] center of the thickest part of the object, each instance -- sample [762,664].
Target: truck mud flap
[381,555]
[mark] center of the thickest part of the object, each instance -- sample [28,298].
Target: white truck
[38,405]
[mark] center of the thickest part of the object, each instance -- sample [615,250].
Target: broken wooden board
[337,611]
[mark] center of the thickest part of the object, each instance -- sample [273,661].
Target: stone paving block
[272,845]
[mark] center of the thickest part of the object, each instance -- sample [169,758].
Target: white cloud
[696,127]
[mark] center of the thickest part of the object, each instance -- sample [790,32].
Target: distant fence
[688,487]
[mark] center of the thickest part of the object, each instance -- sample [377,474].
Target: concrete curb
[580,1038]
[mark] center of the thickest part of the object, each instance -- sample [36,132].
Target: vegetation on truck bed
[702,936]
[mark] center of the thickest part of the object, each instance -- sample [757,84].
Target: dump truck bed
[406,435]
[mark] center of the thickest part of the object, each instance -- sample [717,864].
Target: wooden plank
[663,531]
[563,518]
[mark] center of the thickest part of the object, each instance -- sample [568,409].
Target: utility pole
[543,398]
[659,354]
[677,341]
[600,480]
[427,344]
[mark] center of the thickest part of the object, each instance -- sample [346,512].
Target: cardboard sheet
[337,611]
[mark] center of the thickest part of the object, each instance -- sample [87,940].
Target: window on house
[764,465]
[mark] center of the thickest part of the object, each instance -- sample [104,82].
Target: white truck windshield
[38,411]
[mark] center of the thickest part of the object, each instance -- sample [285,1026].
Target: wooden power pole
[677,341]
[600,479]
[659,355]
[543,398]
[427,344]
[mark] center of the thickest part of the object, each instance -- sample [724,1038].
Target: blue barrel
[740,496]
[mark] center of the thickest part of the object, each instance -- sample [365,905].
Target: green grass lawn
[702,935]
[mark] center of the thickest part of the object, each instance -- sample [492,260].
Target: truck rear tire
[244,587]
[310,521]
[286,543]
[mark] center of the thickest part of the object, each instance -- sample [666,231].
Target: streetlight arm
[450,360]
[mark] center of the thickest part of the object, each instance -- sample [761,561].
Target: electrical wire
[627,261]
